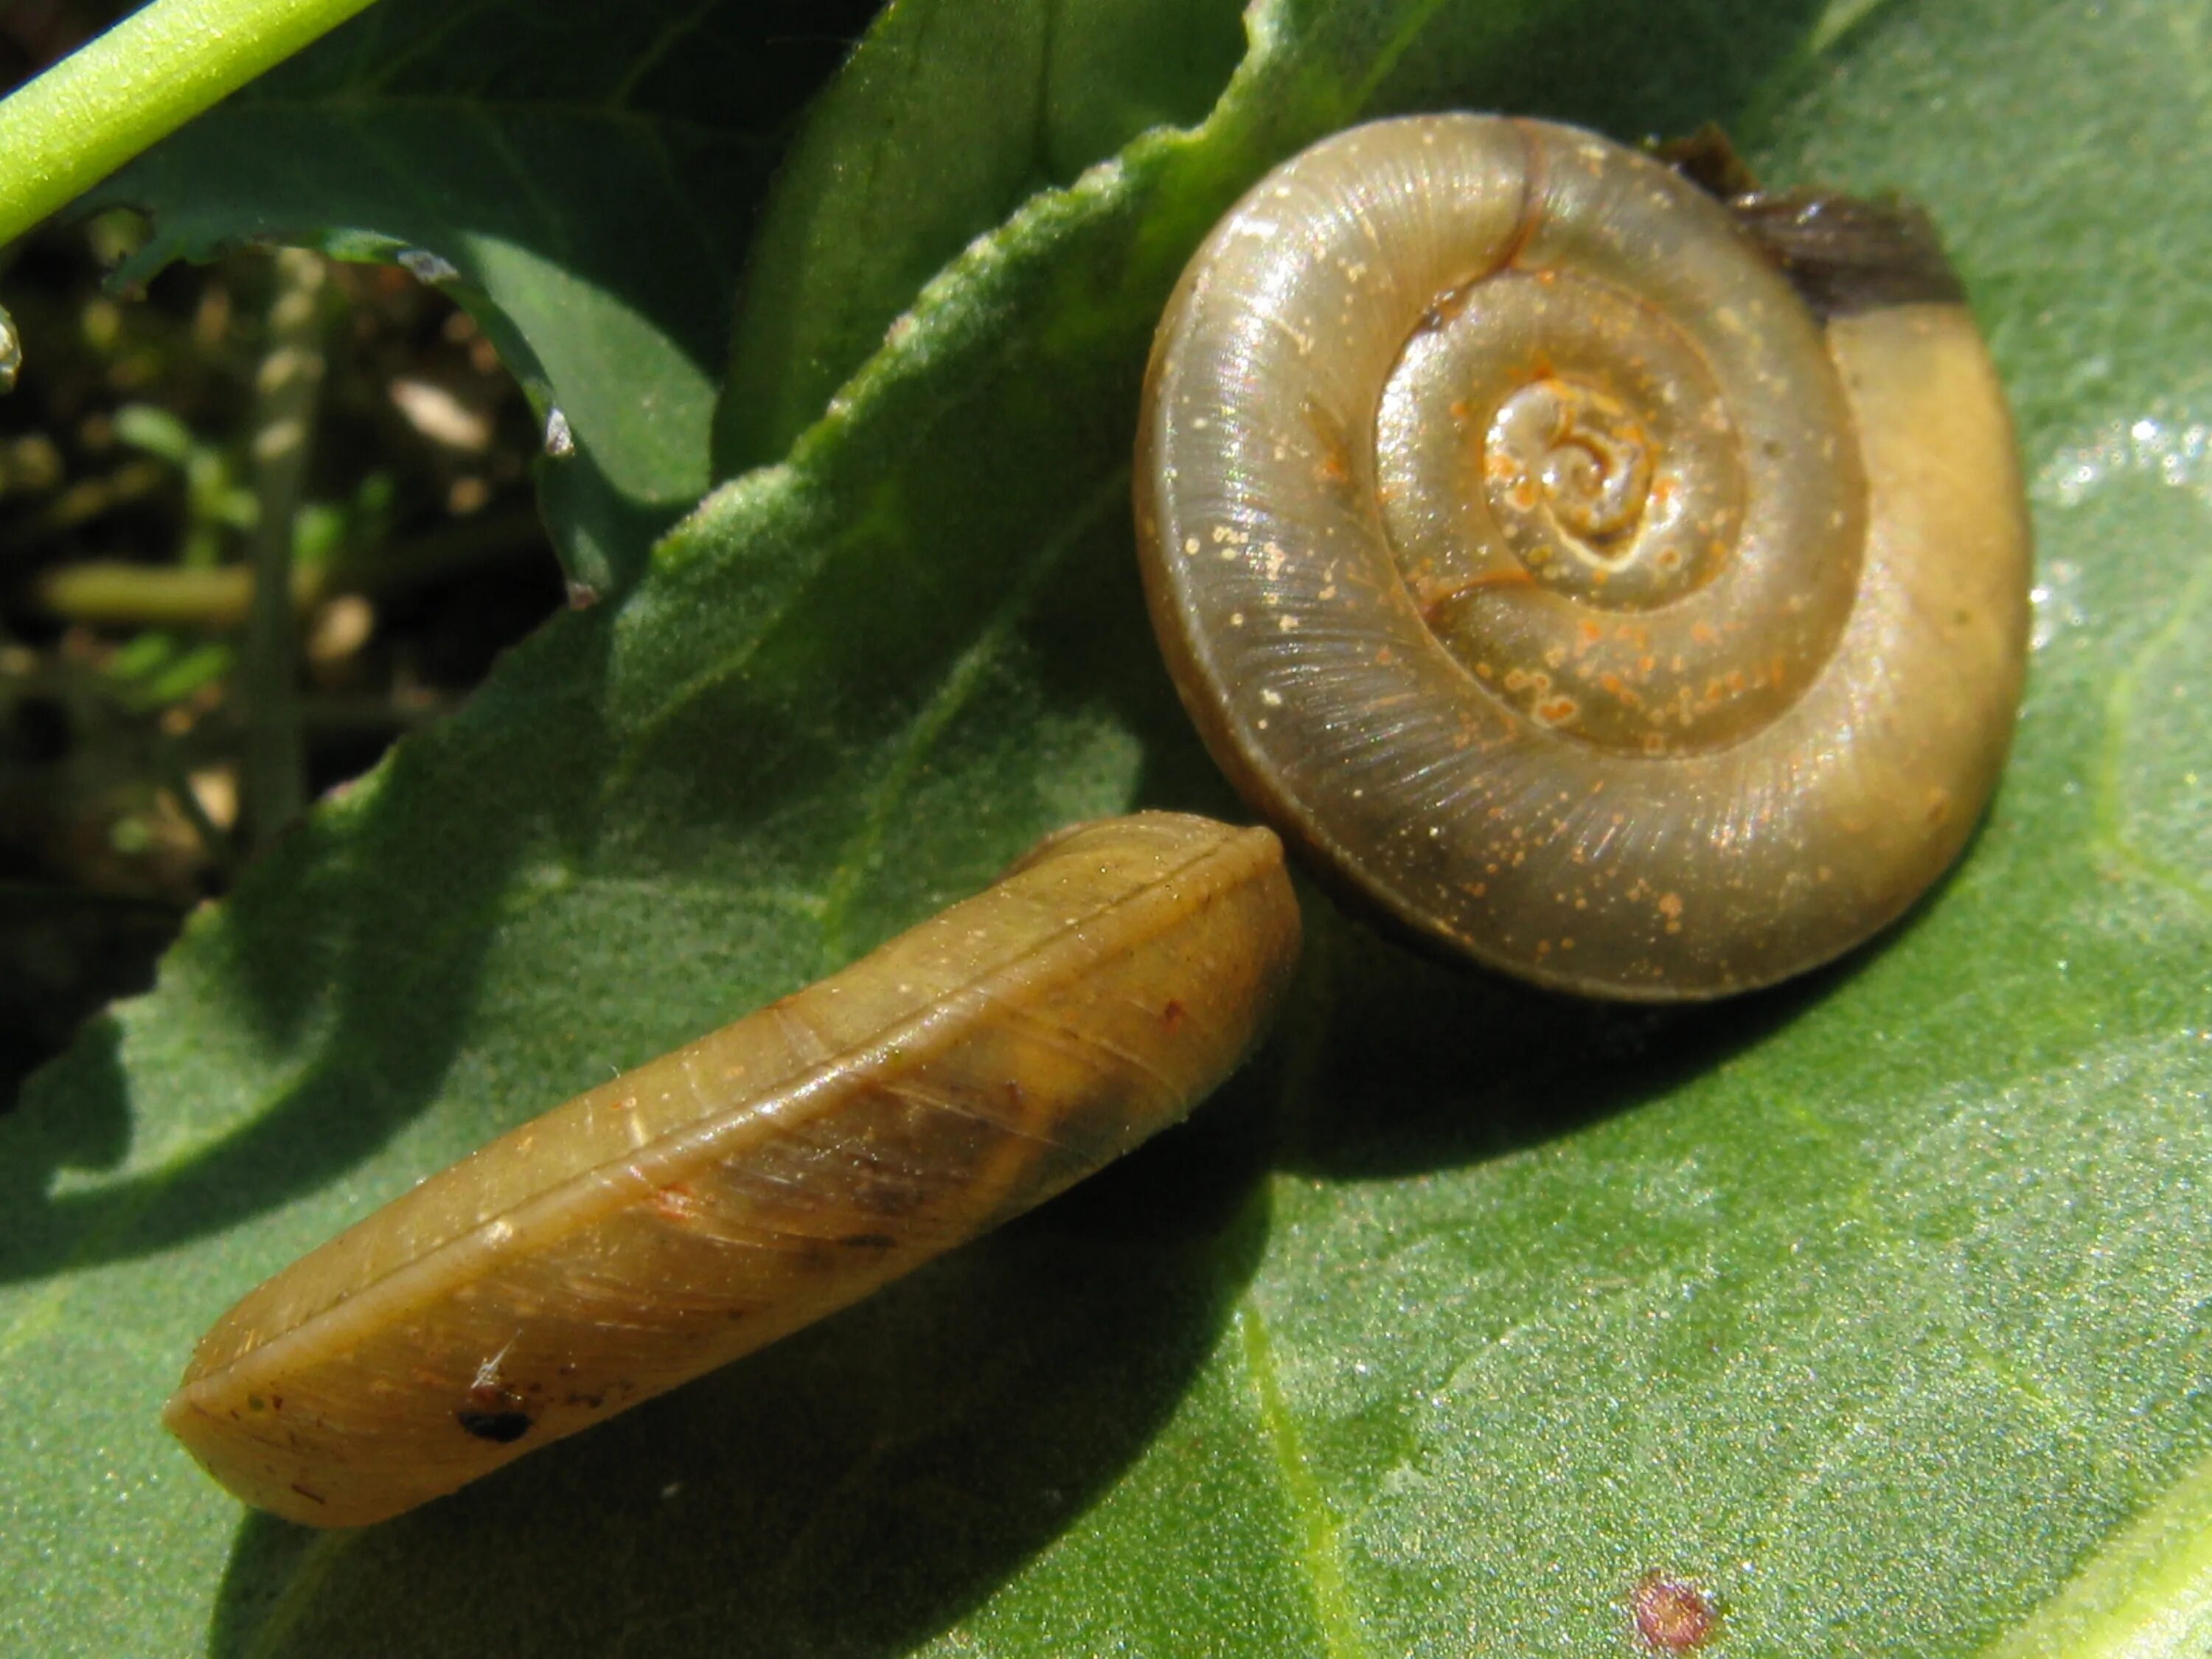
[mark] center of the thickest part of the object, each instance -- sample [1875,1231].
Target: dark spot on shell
[1673,1615]
[503,1428]
[868,1240]
[311,1496]
[1172,1015]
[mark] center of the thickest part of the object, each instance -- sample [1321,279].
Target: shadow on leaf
[363,965]
[1428,1065]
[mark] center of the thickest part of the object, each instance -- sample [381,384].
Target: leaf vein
[922,733]
[1320,1551]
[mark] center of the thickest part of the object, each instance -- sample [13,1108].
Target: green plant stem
[116,592]
[116,96]
[286,391]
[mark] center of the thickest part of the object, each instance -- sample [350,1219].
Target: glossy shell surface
[715,1199]
[1530,554]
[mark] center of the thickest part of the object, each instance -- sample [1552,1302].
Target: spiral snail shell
[1529,550]
[718,1198]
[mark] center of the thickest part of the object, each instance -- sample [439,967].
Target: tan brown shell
[1533,557]
[722,1196]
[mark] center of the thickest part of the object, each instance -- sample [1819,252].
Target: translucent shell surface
[1528,551]
[722,1196]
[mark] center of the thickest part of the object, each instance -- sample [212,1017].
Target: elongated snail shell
[718,1198]
[1529,553]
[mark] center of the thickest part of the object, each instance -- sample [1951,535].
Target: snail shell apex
[1533,557]
[717,1198]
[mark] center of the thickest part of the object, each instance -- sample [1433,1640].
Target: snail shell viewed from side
[720,1197]
[1529,550]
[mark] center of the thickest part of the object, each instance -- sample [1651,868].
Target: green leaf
[953,115]
[578,176]
[1876,1305]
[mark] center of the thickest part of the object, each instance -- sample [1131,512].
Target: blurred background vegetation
[151,738]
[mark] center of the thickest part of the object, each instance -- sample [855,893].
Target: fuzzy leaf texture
[1874,1306]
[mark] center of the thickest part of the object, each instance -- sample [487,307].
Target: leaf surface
[952,117]
[1874,1306]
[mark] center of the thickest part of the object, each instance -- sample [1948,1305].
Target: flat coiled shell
[1533,557]
[715,1199]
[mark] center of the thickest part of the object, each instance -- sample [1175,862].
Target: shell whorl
[1516,539]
